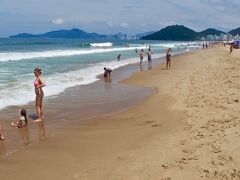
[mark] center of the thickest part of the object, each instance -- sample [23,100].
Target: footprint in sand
[205,173]
[165,166]
[120,158]
[187,151]
[183,142]
[216,149]
[156,125]
[236,100]
[151,123]
[167,178]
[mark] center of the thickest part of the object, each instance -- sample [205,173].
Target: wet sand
[188,129]
[79,104]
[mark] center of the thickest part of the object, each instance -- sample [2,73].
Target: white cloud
[124,25]
[58,21]
[143,25]
[109,23]
[221,8]
[168,23]
[129,16]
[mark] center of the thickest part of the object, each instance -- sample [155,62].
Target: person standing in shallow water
[141,56]
[149,54]
[168,58]
[39,84]
[107,74]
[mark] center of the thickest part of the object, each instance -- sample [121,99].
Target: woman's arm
[41,82]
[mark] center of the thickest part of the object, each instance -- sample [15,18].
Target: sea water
[65,63]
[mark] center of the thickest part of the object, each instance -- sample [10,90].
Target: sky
[112,16]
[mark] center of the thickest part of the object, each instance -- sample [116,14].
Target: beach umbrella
[236,44]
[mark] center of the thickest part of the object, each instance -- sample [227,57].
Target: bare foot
[38,120]
[2,138]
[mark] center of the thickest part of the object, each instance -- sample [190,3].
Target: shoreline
[92,108]
[104,103]
[17,139]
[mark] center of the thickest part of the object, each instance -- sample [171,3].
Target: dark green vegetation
[73,33]
[235,32]
[173,33]
[182,33]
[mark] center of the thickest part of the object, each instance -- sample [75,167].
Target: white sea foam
[107,44]
[22,92]
[16,56]
[174,45]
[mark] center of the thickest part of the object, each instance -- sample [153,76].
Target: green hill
[173,33]
[235,32]
[73,33]
[210,31]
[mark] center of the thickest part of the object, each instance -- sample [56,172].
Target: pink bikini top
[36,83]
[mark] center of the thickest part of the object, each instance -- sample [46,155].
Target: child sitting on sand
[22,122]
[1,133]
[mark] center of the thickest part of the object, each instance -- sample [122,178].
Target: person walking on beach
[141,56]
[39,84]
[149,55]
[206,45]
[1,133]
[231,48]
[168,58]
[203,46]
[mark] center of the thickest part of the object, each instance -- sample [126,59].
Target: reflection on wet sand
[24,134]
[108,83]
[149,66]
[41,131]
[141,67]
[2,148]
[103,97]
[108,79]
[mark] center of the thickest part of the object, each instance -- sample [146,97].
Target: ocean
[66,63]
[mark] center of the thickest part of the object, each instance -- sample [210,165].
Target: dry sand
[188,130]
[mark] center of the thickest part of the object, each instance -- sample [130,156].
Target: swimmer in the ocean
[119,57]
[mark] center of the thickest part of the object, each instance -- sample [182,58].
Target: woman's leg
[38,108]
[41,109]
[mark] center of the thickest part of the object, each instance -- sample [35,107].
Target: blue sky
[111,16]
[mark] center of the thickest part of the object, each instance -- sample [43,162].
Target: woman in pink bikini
[38,84]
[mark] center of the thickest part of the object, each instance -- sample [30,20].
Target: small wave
[174,45]
[16,56]
[107,44]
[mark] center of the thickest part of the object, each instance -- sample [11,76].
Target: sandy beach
[187,130]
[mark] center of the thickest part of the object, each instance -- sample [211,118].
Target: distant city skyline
[112,16]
